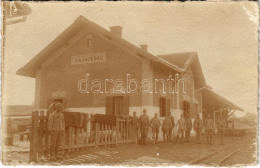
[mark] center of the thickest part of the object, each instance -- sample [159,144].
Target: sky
[224,34]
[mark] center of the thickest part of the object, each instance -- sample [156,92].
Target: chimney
[144,47]
[116,30]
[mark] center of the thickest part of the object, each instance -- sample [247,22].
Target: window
[186,108]
[89,43]
[164,107]
[117,105]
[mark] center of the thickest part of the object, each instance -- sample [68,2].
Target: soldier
[144,123]
[209,127]
[166,126]
[188,123]
[56,126]
[197,126]
[41,127]
[172,128]
[135,126]
[221,128]
[155,124]
[9,131]
[181,128]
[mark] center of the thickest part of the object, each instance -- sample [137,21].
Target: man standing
[209,127]
[56,126]
[144,123]
[188,128]
[221,129]
[172,128]
[135,126]
[166,126]
[41,128]
[155,124]
[181,128]
[9,132]
[197,126]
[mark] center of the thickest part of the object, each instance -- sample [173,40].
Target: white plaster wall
[37,88]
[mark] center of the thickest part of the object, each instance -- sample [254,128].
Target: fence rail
[92,134]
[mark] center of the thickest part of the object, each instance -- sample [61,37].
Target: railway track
[216,158]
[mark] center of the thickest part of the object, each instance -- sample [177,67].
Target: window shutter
[168,107]
[109,105]
[160,103]
[126,105]
[184,108]
[187,108]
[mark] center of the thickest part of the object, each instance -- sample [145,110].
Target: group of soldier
[56,127]
[183,125]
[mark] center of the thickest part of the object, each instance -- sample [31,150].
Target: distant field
[18,110]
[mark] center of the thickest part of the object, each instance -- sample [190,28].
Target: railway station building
[93,70]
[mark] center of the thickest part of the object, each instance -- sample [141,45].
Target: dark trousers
[198,136]
[56,142]
[144,134]
[155,133]
[209,135]
[187,135]
[171,133]
[166,134]
[180,133]
[135,133]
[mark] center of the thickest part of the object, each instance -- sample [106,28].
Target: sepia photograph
[129,83]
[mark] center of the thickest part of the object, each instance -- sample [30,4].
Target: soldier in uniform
[166,126]
[181,124]
[155,124]
[144,123]
[56,126]
[172,128]
[41,127]
[135,126]
[197,126]
[9,132]
[221,128]
[188,123]
[209,127]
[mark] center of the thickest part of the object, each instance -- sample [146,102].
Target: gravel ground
[151,154]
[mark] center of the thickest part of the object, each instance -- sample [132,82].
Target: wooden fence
[93,134]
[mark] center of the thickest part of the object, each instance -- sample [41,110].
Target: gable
[178,59]
[80,55]
[70,35]
[186,61]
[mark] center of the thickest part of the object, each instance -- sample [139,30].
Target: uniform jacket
[188,123]
[181,124]
[155,122]
[167,124]
[56,122]
[209,124]
[197,124]
[135,121]
[144,120]
[173,122]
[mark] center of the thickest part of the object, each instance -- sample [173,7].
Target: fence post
[96,134]
[70,139]
[117,130]
[87,132]
[34,137]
